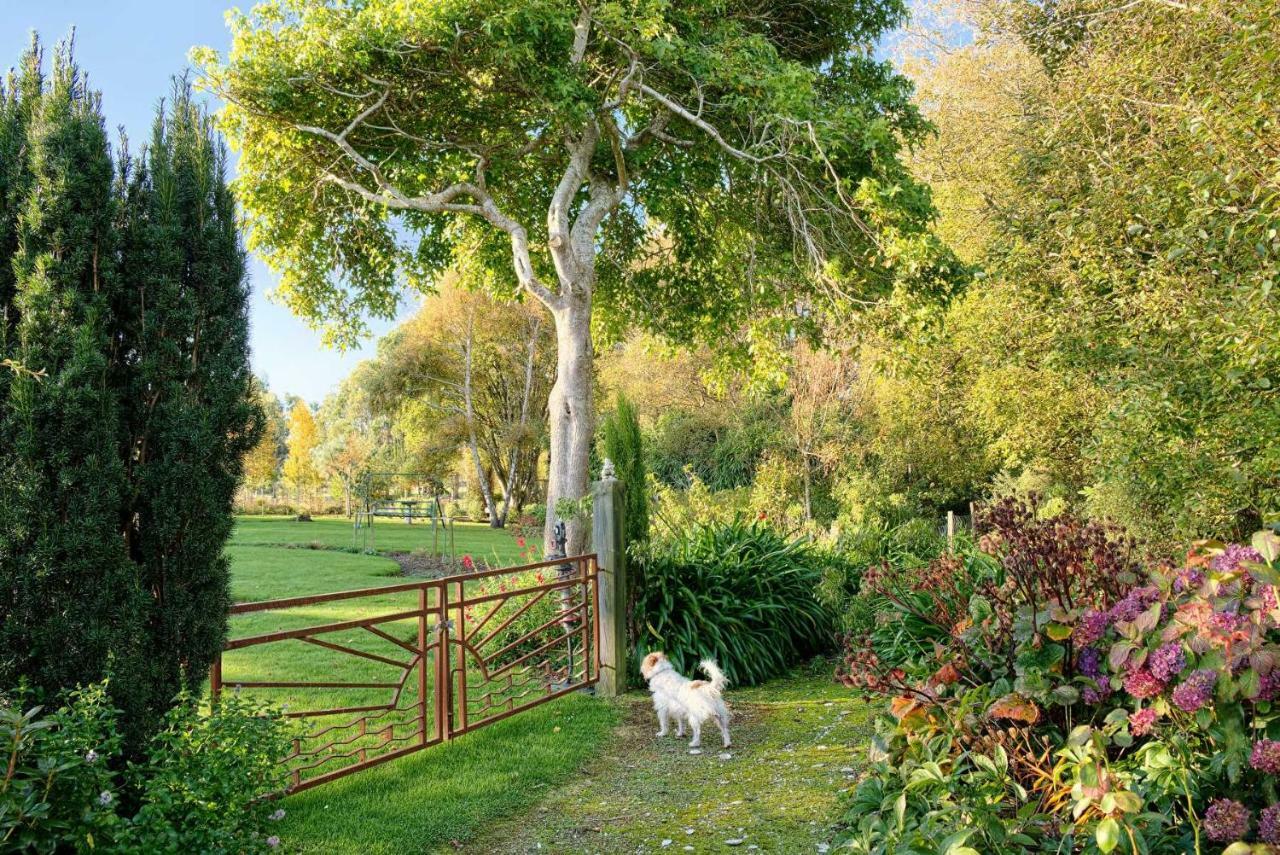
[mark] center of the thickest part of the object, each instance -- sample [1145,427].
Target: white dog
[678,697]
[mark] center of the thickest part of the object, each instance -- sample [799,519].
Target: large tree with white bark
[707,169]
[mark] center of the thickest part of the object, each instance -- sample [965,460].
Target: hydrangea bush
[1075,698]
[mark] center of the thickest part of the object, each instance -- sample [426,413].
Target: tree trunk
[571,417]
[513,454]
[482,477]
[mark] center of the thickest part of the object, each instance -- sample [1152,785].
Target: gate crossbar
[540,641]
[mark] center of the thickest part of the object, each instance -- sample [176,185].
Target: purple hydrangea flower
[1089,663]
[1226,820]
[1226,622]
[1143,684]
[1095,695]
[1188,579]
[1134,603]
[273,841]
[105,798]
[91,757]
[1229,559]
[1167,661]
[1269,825]
[1265,756]
[1093,625]
[278,815]
[1141,721]
[1270,686]
[1195,691]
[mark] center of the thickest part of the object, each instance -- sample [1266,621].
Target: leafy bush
[1077,700]
[907,544]
[740,593]
[532,626]
[198,788]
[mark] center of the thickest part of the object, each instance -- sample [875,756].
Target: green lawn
[423,801]
[484,544]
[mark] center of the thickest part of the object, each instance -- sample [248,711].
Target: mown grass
[493,546]
[423,801]
[438,798]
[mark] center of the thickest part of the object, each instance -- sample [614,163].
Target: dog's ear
[650,662]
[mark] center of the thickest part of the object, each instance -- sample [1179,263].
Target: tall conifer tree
[186,390]
[125,396]
[68,595]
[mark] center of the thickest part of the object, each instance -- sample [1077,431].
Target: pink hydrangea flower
[1141,721]
[1143,684]
[1265,756]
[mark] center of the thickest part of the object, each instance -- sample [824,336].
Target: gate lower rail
[414,664]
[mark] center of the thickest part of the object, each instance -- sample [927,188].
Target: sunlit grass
[416,803]
[492,546]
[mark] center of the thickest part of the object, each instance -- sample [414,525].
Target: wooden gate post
[611,555]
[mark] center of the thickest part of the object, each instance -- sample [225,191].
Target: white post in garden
[606,536]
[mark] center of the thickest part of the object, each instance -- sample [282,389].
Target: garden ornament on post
[564,571]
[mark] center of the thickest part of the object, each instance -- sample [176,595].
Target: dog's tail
[712,670]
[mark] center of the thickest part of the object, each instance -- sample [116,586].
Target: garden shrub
[1074,698]
[741,593]
[198,788]
[536,621]
[906,544]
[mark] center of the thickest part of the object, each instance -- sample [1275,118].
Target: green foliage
[738,593]
[1119,341]
[721,448]
[907,544]
[621,442]
[122,440]
[198,788]
[70,601]
[826,180]
[187,403]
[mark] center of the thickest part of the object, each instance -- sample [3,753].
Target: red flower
[468,563]
[762,515]
[519,541]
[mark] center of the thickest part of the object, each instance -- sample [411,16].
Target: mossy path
[798,744]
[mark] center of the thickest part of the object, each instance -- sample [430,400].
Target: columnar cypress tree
[622,443]
[185,389]
[125,402]
[68,595]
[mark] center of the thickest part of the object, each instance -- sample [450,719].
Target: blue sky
[130,49]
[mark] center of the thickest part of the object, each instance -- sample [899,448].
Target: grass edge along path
[432,800]
[799,745]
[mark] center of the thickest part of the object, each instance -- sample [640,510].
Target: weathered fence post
[951,530]
[606,536]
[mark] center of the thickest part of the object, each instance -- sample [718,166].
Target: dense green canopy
[743,137]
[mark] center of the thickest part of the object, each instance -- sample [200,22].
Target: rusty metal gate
[411,665]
